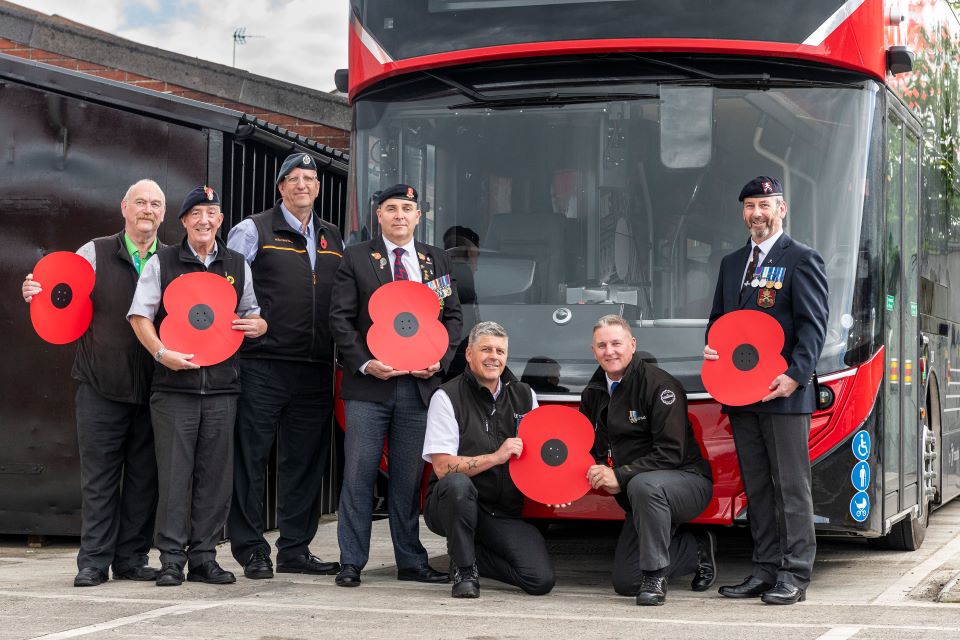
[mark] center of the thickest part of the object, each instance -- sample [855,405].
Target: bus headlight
[825,397]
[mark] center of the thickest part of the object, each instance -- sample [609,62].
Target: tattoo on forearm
[473,463]
[453,467]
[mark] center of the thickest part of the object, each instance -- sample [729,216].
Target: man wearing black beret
[287,375]
[193,408]
[785,279]
[382,402]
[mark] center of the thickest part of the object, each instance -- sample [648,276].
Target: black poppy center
[554,452]
[405,324]
[745,357]
[61,295]
[200,317]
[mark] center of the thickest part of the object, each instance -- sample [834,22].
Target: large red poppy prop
[556,455]
[62,311]
[201,308]
[749,344]
[406,333]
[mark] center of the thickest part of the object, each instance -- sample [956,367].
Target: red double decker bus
[582,157]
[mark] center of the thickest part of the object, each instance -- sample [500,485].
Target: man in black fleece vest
[472,501]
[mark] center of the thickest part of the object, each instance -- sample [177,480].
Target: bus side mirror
[899,59]
[686,126]
[341,78]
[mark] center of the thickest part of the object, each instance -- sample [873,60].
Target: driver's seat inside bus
[539,237]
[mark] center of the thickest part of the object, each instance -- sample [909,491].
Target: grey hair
[126,196]
[612,320]
[486,328]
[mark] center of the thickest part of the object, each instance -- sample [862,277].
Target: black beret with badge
[296,161]
[400,191]
[761,187]
[202,195]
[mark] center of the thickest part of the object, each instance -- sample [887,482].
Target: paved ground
[857,593]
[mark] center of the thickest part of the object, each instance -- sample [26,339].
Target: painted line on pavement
[897,592]
[178,609]
[840,633]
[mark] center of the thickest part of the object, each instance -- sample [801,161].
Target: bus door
[900,441]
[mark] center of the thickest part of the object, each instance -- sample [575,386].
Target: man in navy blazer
[784,278]
[383,403]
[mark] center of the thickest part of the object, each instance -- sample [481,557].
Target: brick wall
[330,136]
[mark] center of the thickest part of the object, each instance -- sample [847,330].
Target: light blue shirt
[244,238]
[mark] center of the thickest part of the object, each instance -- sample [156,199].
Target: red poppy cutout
[556,455]
[749,344]
[62,311]
[201,308]
[406,333]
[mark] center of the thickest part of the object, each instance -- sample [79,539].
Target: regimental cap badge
[208,191]
[306,159]
[410,193]
[766,186]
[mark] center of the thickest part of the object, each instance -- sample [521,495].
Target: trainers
[706,573]
[466,582]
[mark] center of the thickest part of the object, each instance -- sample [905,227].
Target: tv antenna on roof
[240,36]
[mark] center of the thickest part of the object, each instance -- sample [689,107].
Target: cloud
[304,41]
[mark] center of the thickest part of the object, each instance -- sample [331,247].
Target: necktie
[751,268]
[399,273]
[613,386]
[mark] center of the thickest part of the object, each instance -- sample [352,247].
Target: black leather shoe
[258,567]
[749,588]
[170,575]
[706,573]
[211,573]
[349,576]
[90,577]
[466,582]
[140,574]
[426,573]
[308,563]
[653,591]
[784,593]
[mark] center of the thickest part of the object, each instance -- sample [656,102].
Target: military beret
[761,187]
[200,195]
[401,191]
[296,161]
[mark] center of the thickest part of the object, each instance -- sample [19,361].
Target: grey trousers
[194,442]
[774,454]
[660,501]
[505,549]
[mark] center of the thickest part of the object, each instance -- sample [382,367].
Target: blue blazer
[800,307]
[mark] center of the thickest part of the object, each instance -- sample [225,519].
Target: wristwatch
[158,356]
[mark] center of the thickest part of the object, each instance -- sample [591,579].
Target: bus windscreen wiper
[739,80]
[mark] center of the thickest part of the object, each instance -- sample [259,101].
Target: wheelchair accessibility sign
[860,506]
[861,445]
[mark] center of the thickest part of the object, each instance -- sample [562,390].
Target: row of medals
[768,277]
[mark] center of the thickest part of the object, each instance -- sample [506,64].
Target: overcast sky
[304,41]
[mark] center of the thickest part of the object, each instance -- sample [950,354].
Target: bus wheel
[908,534]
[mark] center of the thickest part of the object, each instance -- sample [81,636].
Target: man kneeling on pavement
[472,501]
[648,459]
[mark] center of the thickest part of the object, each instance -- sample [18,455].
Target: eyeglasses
[307,180]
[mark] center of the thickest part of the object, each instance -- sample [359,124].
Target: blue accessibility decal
[861,445]
[860,476]
[860,506]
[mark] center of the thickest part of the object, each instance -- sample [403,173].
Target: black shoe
[466,582]
[308,563]
[426,573]
[653,590]
[349,576]
[90,577]
[784,593]
[750,588]
[171,575]
[211,573]
[140,574]
[706,573]
[258,567]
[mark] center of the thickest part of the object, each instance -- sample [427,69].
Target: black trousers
[118,481]
[660,501]
[774,454]
[297,397]
[505,549]
[194,442]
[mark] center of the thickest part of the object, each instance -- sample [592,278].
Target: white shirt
[410,261]
[765,247]
[610,383]
[443,432]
